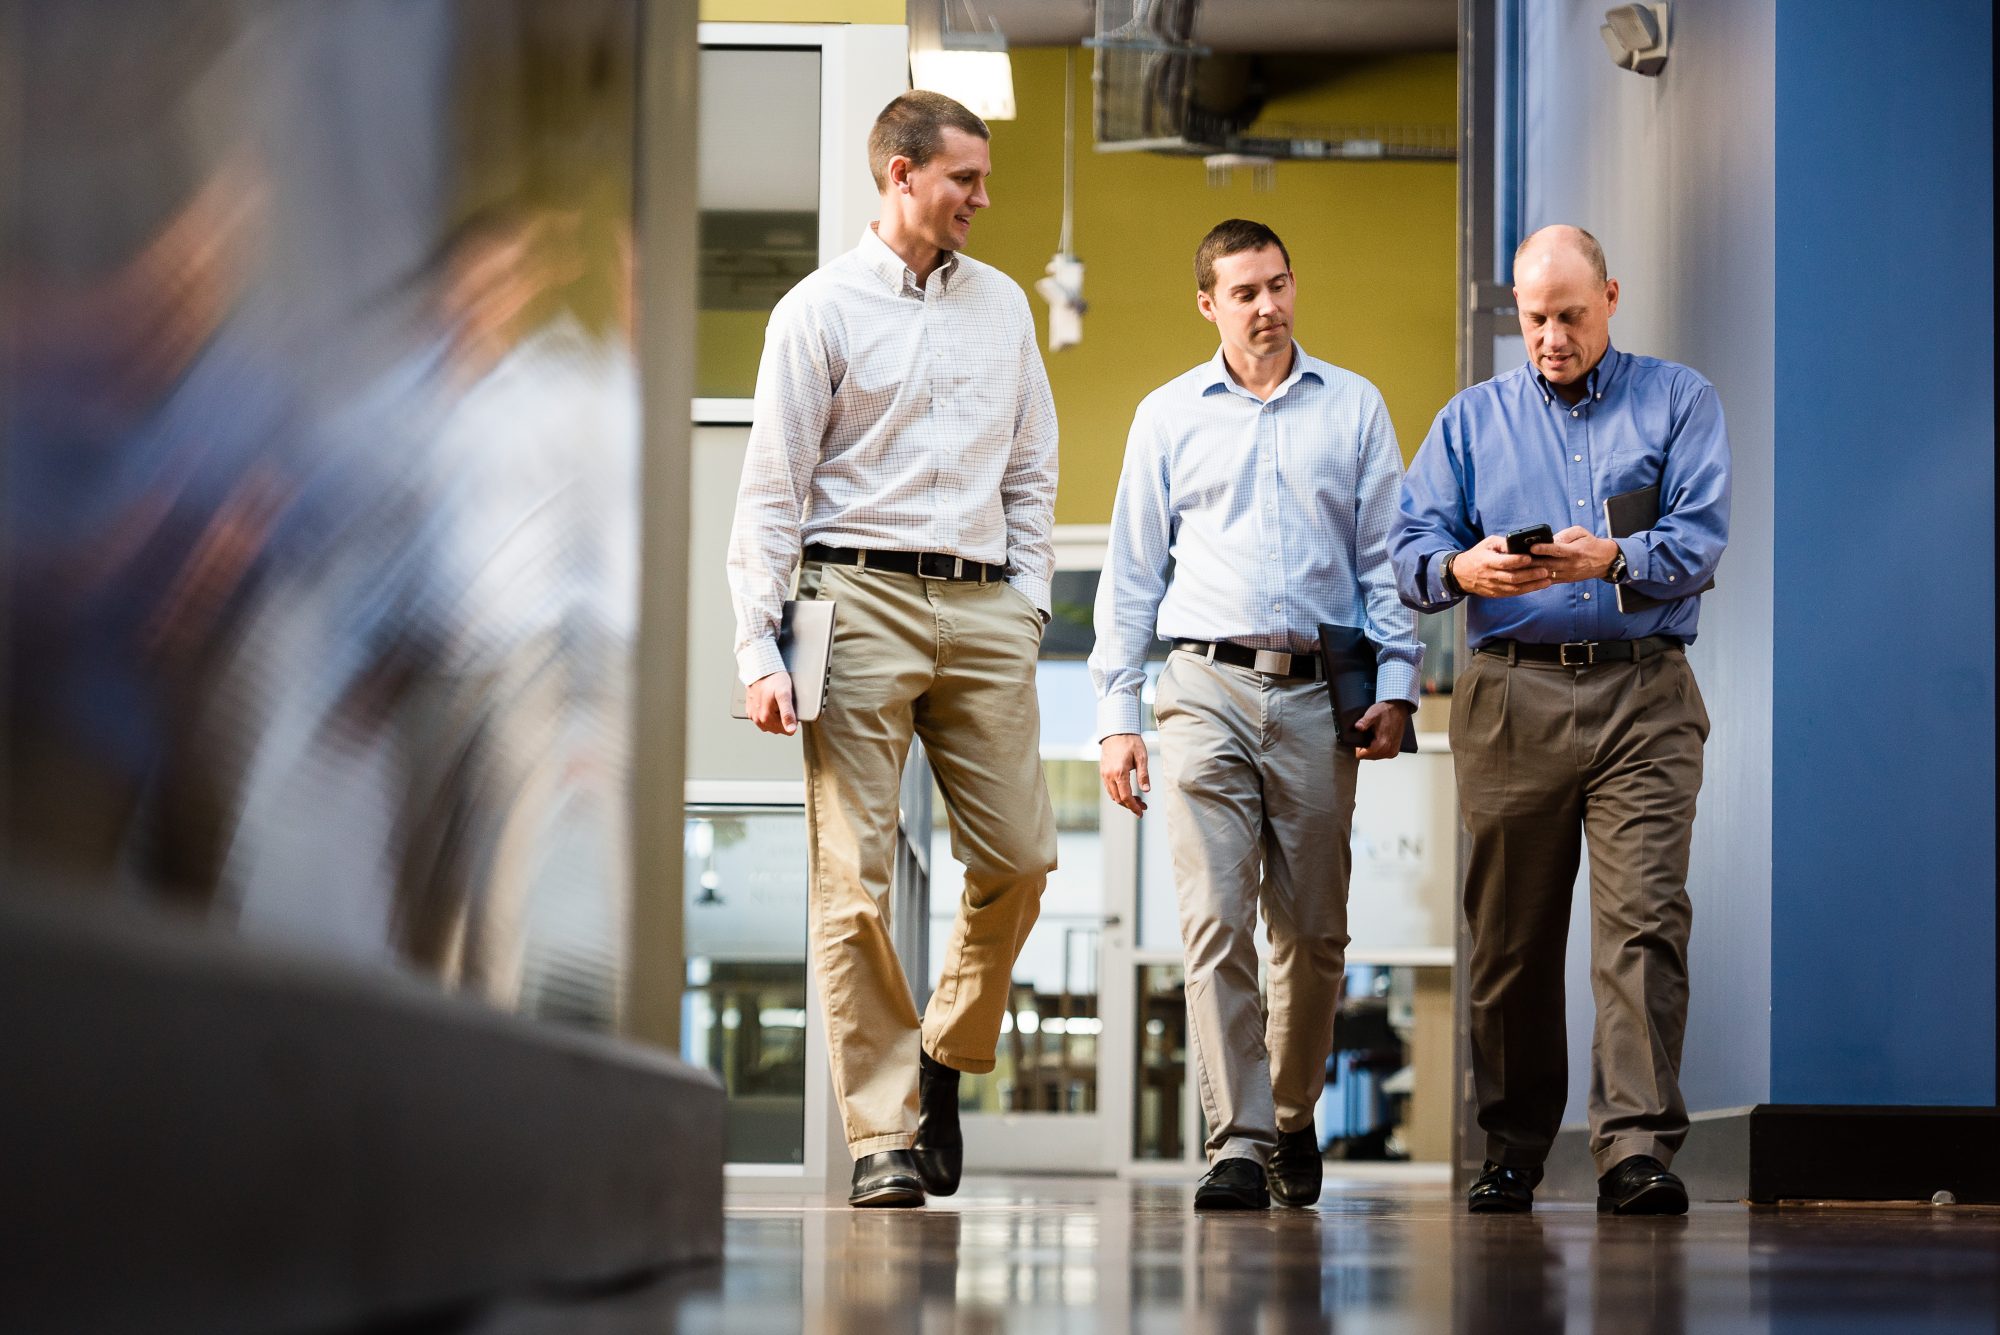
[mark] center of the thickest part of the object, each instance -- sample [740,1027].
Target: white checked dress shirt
[894,417]
[1275,516]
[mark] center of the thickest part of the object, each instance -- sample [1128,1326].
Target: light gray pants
[1259,796]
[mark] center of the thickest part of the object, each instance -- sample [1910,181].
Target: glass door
[1059,1096]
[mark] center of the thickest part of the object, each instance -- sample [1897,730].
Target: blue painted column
[1883,728]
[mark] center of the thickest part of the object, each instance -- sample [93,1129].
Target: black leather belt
[924,565]
[1270,662]
[1581,653]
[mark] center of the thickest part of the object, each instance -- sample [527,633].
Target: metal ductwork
[1234,27]
[1193,76]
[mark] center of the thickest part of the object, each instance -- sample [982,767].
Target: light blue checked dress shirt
[1274,516]
[1509,453]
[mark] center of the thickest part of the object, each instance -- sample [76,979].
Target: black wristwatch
[1446,578]
[1619,572]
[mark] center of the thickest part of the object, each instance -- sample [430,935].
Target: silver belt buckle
[1586,649]
[957,566]
[1272,663]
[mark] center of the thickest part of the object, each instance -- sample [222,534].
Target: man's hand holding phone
[1489,570]
[1574,555]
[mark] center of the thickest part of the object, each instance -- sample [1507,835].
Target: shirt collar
[1595,385]
[889,267]
[1218,376]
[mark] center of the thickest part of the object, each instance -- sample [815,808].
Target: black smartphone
[1521,539]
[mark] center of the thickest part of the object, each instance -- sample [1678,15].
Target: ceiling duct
[1242,27]
[1184,76]
[1145,72]
[1159,89]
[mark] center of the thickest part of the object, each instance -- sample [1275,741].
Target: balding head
[1552,244]
[1565,303]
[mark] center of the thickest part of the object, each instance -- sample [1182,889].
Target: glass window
[1389,1076]
[1435,630]
[744,1012]
[1047,1058]
[1159,1088]
[320,457]
[759,192]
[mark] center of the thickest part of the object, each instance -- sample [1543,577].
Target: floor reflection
[1506,1276]
[1055,1254]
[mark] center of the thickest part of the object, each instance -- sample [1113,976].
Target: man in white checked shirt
[903,459]
[1268,479]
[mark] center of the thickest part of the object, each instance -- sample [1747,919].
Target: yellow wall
[802,11]
[729,345]
[1372,244]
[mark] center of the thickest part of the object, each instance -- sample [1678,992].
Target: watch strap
[1446,578]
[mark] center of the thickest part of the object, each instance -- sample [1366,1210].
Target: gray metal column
[667,228]
[1479,297]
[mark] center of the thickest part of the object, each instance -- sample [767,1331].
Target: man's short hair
[1232,237]
[1584,243]
[913,127]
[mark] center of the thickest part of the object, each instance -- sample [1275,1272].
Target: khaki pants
[1259,797]
[1548,756]
[953,663]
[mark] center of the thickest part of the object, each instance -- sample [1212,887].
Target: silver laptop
[805,642]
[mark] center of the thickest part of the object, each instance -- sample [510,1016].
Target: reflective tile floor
[1066,1254]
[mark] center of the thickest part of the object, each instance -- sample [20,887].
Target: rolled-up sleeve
[1134,579]
[1430,520]
[787,429]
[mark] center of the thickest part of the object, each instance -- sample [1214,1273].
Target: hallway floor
[1072,1254]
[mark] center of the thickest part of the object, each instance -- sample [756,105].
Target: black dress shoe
[1234,1183]
[1641,1185]
[1503,1190]
[1296,1168]
[886,1180]
[940,1148]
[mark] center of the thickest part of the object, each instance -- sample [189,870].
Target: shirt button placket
[1582,614]
[1274,575]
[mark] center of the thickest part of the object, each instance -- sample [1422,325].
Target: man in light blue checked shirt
[1254,505]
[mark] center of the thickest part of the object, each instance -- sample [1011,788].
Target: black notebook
[1635,512]
[1350,658]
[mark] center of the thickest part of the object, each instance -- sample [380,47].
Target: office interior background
[396,922]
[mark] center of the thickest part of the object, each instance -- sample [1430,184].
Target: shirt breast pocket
[982,381]
[1631,468]
[1631,452]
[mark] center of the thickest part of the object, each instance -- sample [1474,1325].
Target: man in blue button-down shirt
[1267,479]
[1574,716]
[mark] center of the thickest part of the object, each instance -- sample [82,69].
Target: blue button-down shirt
[1275,516]
[1510,453]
